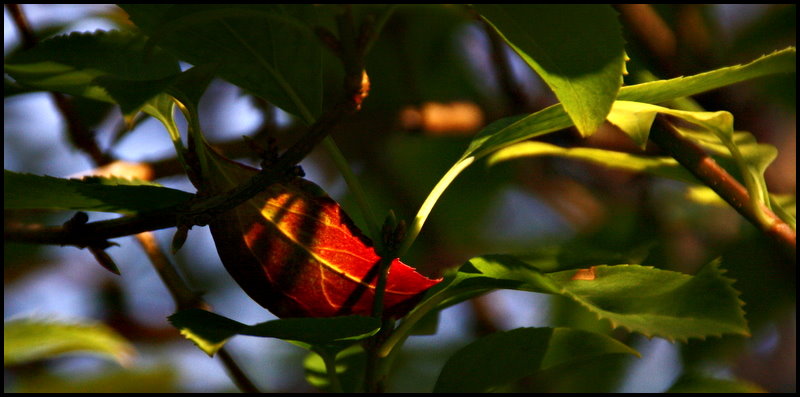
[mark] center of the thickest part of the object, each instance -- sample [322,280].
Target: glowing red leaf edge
[296,252]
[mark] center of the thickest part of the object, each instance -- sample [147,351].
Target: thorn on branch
[179,238]
[80,218]
[104,259]
[96,247]
[297,172]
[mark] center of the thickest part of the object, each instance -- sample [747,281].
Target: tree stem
[703,166]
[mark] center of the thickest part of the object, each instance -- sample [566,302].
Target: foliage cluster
[397,108]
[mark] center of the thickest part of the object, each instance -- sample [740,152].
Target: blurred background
[437,77]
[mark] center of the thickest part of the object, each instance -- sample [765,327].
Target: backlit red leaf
[295,252]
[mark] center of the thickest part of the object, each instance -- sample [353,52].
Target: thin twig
[183,296]
[703,166]
[238,376]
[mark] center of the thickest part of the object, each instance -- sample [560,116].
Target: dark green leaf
[210,331]
[268,49]
[504,357]
[578,51]
[419,58]
[28,339]
[108,66]
[27,191]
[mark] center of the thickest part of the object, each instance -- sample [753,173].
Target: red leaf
[295,252]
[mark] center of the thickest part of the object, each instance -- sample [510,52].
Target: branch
[90,234]
[80,232]
[703,166]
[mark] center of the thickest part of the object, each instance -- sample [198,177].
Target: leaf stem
[402,332]
[427,205]
[330,368]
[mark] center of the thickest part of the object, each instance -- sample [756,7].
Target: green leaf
[350,365]
[656,302]
[504,357]
[269,50]
[714,131]
[508,131]
[108,66]
[30,339]
[577,50]
[28,191]
[666,167]
[653,302]
[159,378]
[210,331]
[505,132]
[783,61]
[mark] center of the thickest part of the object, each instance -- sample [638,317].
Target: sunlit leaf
[31,339]
[577,50]
[504,357]
[210,331]
[658,302]
[295,252]
[712,130]
[642,299]
[350,365]
[156,379]
[505,132]
[508,131]
[666,167]
[27,191]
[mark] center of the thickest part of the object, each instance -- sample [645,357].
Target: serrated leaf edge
[718,271]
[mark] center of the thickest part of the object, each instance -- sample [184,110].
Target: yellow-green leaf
[31,339]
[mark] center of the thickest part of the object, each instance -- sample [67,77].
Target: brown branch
[28,37]
[237,375]
[703,166]
[91,233]
[181,293]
